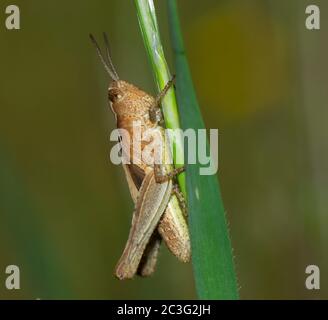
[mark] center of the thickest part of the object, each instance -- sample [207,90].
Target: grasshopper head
[116,95]
[125,98]
[115,92]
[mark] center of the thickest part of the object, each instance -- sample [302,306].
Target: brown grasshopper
[159,209]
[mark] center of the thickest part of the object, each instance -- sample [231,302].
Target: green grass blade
[211,249]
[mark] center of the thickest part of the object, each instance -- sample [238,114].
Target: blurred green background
[65,209]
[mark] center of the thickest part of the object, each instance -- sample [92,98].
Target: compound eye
[114,94]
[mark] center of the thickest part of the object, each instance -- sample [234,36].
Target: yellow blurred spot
[238,60]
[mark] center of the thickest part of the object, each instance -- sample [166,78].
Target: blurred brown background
[261,78]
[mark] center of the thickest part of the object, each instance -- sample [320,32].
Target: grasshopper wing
[151,203]
[149,258]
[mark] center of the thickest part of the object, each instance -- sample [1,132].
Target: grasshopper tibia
[176,190]
[155,113]
[161,177]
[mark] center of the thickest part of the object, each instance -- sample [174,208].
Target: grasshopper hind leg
[182,201]
[148,261]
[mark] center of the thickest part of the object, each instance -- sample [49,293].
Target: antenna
[109,54]
[112,73]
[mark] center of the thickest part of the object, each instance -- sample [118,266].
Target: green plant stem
[150,32]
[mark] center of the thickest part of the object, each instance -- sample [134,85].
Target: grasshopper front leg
[155,113]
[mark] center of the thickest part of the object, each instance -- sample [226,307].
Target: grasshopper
[159,205]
